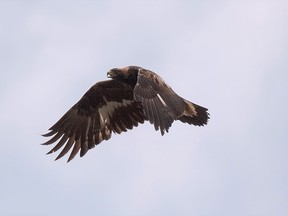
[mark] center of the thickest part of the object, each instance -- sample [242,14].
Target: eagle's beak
[111,74]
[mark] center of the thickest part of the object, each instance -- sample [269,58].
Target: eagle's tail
[194,114]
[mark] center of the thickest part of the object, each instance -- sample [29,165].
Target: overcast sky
[229,56]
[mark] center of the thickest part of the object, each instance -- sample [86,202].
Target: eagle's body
[133,96]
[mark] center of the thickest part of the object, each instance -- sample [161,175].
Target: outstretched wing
[160,103]
[194,114]
[107,106]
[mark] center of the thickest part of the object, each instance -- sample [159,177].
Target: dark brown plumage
[132,96]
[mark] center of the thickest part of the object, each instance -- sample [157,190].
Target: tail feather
[194,114]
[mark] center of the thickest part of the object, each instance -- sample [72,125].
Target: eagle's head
[127,74]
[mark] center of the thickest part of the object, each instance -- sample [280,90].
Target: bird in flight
[132,96]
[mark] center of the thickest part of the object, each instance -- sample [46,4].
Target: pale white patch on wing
[190,109]
[161,99]
[87,129]
[101,118]
[107,110]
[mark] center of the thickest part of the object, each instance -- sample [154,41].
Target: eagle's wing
[194,114]
[160,103]
[107,106]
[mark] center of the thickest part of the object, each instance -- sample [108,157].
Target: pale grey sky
[229,56]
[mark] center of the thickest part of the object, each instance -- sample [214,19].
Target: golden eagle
[132,96]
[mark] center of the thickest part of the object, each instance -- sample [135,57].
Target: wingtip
[70,158]
[50,133]
[163,131]
[50,152]
[58,157]
[46,143]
